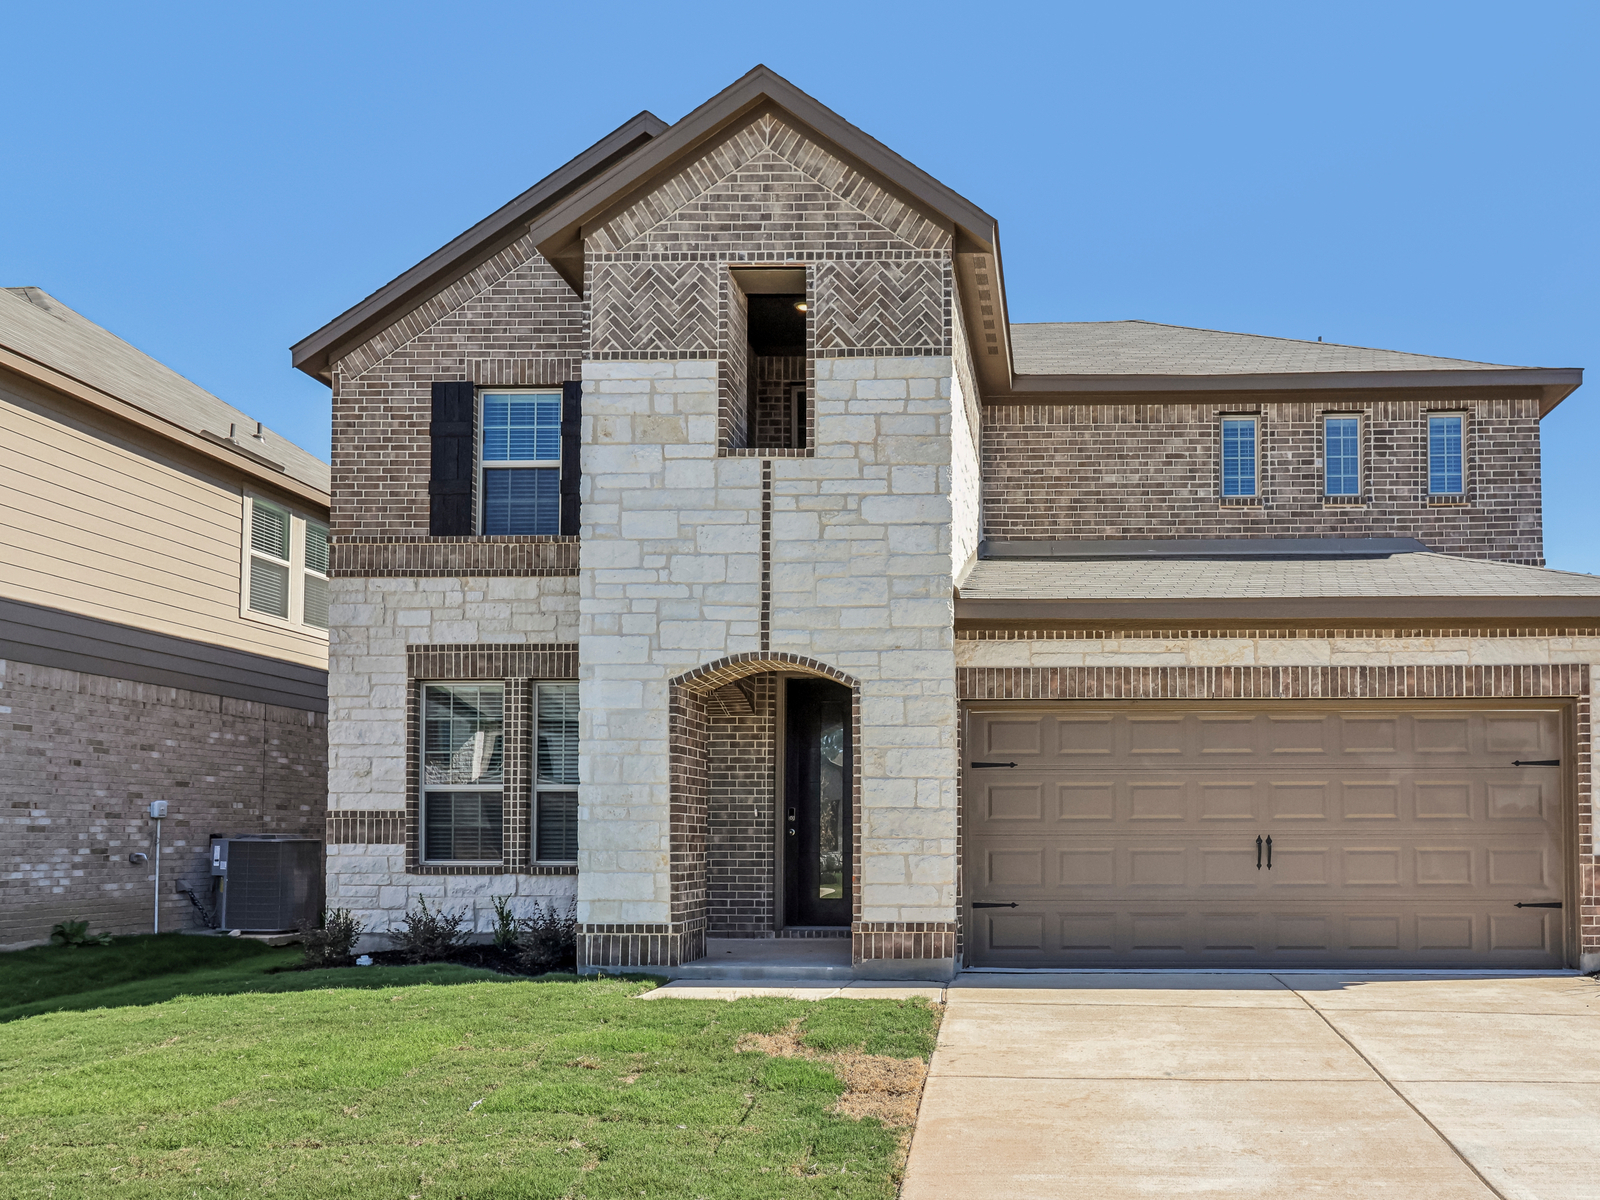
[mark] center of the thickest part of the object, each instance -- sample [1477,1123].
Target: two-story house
[710,548]
[163,630]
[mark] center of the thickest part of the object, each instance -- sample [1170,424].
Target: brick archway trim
[707,679]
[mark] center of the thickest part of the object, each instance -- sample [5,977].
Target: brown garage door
[1128,836]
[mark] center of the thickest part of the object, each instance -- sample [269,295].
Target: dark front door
[816,798]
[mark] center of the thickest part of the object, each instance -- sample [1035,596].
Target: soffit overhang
[1367,612]
[316,354]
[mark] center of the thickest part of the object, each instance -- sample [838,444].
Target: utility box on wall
[266,883]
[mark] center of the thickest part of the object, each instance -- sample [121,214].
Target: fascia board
[75,389]
[1034,387]
[312,353]
[1373,611]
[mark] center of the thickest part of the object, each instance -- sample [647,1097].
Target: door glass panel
[831,810]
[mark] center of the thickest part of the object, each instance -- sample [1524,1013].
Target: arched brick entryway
[722,728]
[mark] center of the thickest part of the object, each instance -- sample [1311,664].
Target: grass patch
[436,1082]
[155,968]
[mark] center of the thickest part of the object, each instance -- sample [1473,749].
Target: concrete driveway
[1286,1085]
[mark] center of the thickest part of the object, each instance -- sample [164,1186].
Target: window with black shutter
[453,434]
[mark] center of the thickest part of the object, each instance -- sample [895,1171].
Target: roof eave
[315,354]
[1556,383]
[1371,611]
[559,229]
[216,449]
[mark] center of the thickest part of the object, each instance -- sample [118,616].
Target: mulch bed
[487,956]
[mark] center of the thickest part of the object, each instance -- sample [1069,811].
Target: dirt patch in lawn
[889,1089]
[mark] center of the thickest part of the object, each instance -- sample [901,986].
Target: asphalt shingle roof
[1146,348]
[38,326]
[1141,579]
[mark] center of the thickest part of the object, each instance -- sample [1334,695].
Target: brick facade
[511,322]
[1101,471]
[81,757]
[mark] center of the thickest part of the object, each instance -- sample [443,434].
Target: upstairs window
[1341,446]
[1238,457]
[520,463]
[1446,474]
[285,565]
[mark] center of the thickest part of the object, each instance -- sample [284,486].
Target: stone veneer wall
[81,756]
[860,580]
[1151,471]
[1316,663]
[374,623]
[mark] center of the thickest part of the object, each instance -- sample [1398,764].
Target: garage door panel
[1399,838]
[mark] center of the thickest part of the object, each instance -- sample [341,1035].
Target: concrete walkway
[1157,1085]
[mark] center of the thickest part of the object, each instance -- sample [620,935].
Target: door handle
[1537,762]
[993,904]
[977,765]
[1258,852]
[1542,904]
[1269,852]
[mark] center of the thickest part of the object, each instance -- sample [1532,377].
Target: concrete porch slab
[781,960]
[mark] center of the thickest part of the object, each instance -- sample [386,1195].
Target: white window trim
[422,686]
[1222,456]
[538,788]
[1427,456]
[478,495]
[1361,456]
[296,563]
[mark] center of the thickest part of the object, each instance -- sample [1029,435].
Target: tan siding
[110,523]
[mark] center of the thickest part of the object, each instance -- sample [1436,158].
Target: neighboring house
[710,548]
[163,627]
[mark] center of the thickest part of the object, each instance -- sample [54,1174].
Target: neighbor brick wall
[81,756]
[511,322]
[1060,471]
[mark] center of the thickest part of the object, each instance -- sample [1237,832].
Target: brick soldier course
[712,563]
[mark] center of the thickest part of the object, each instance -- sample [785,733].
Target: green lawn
[217,1078]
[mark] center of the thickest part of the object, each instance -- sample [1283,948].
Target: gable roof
[1120,356]
[315,354]
[54,345]
[558,233]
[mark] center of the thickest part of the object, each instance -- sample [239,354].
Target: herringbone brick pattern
[711,200]
[880,305]
[653,306]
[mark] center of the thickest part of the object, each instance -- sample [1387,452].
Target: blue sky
[213,182]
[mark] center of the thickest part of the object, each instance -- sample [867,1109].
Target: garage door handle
[1542,904]
[1269,852]
[1537,762]
[1258,852]
[993,904]
[978,764]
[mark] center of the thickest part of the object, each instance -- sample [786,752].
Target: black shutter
[571,441]
[454,434]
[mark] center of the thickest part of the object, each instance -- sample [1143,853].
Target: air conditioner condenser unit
[266,883]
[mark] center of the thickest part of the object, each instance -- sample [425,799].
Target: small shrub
[548,940]
[76,933]
[505,924]
[330,944]
[430,934]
